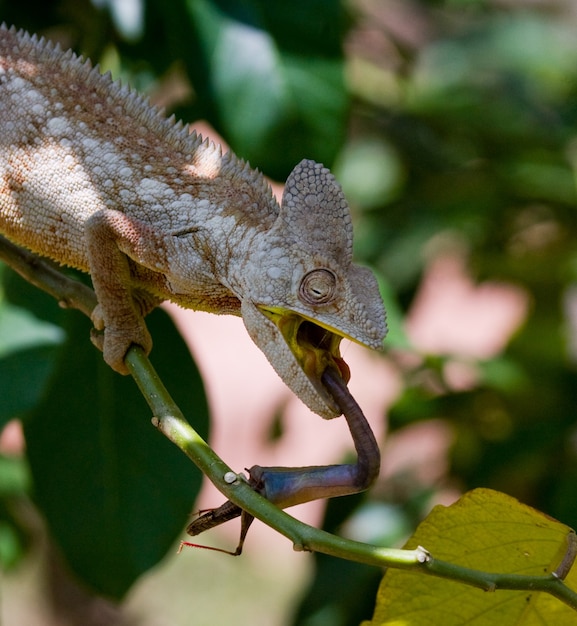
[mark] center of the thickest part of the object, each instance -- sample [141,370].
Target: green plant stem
[491,582]
[171,422]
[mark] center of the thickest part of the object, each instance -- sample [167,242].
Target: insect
[287,486]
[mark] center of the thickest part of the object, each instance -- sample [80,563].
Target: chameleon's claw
[287,486]
[115,343]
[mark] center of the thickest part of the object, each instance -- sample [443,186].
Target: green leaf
[270,74]
[23,376]
[20,329]
[340,592]
[14,486]
[488,531]
[11,545]
[34,305]
[114,492]
[28,347]
[14,476]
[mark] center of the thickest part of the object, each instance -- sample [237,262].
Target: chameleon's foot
[287,486]
[115,343]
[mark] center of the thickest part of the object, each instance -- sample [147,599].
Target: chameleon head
[309,294]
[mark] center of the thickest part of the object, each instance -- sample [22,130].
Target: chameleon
[94,177]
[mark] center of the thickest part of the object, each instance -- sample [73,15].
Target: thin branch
[70,294]
[170,421]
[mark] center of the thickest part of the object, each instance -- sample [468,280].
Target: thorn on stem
[423,555]
[230,478]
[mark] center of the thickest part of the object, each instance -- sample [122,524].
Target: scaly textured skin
[94,177]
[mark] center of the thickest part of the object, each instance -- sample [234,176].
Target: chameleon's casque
[94,177]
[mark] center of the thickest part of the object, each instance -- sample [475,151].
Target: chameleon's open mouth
[314,347]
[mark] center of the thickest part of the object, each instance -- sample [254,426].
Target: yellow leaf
[487,531]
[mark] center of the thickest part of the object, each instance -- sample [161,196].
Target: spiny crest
[137,106]
[241,169]
[206,155]
[134,103]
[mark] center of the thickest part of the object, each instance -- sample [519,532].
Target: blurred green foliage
[452,125]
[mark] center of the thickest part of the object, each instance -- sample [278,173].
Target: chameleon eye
[318,287]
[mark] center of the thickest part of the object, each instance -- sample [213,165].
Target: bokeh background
[452,126]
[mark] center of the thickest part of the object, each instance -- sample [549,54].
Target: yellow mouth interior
[315,347]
